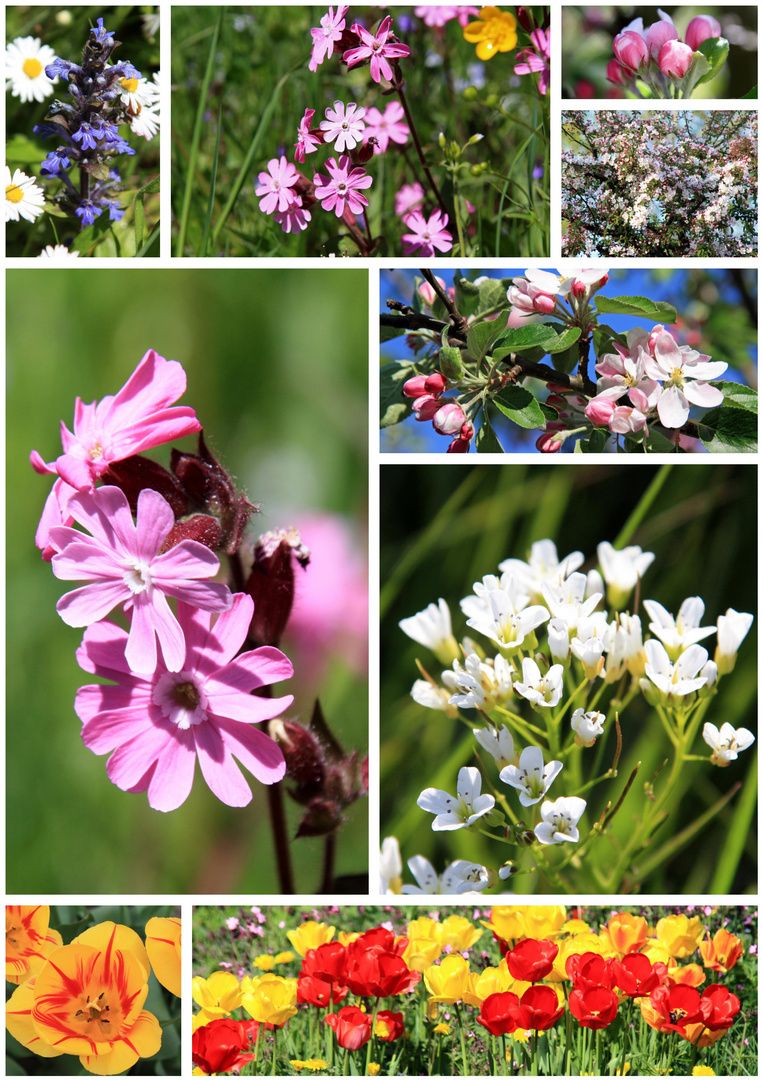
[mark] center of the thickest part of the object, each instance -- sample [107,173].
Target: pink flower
[631,50]
[425,406]
[307,140]
[675,59]
[345,125]
[123,563]
[536,58]
[276,185]
[658,34]
[548,442]
[427,293]
[378,48]
[409,197]
[676,366]
[330,31]
[426,234]
[625,419]
[342,186]
[700,29]
[600,408]
[387,127]
[295,218]
[138,418]
[158,724]
[617,74]
[415,387]
[439,15]
[537,291]
[449,419]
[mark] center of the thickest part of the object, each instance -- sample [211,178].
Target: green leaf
[486,440]
[753,93]
[388,333]
[562,342]
[520,406]
[521,338]
[549,411]
[640,306]
[494,818]
[566,361]
[715,51]
[739,396]
[729,430]
[393,406]
[467,294]
[451,363]
[139,220]
[22,151]
[657,443]
[480,337]
[595,443]
[491,295]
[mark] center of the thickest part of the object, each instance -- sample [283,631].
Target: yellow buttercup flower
[28,941]
[520,1036]
[442,1029]
[374,1068]
[264,962]
[457,932]
[680,935]
[283,957]
[702,1070]
[218,995]
[448,982]
[274,1000]
[495,31]
[163,948]
[316,1064]
[310,935]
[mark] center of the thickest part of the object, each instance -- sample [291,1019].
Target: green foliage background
[444,528]
[277,372]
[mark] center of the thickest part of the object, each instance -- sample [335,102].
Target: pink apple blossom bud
[625,419]
[426,406]
[467,430]
[675,59]
[617,74]
[435,383]
[548,443]
[427,293]
[631,50]
[556,400]
[557,388]
[700,29]
[654,337]
[657,34]
[599,410]
[415,387]
[545,303]
[458,446]
[449,419]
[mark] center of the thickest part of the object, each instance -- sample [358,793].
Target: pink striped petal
[155,520]
[244,708]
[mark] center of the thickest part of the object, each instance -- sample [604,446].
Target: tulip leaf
[640,306]
[520,406]
[715,51]
[393,407]
[486,440]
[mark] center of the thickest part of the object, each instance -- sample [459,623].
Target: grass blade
[213,182]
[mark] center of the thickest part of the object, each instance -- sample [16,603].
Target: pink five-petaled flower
[409,197]
[675,366]
[344,126]
[158,724]
[333,192]
[379,48]
[386,127]
[123,564]
[426,234]
[324,37]
[536,58]
[140,416]
[307,141]
[276,185]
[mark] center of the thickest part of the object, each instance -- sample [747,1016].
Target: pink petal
[81,558]
[55,513]
[188,559]
[703,394]
[102,651]
[75,471]
[90,603]
[257,752]
[155,384]
[106,514]
[155,520]
[103,730]
[673,408]
[241,707]
[207,651]
[172,781]
[260,667]
[218,767]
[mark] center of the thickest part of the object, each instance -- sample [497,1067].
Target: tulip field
[475,991]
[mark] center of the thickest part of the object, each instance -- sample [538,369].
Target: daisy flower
[426,234]
[57,251]
[141,99]
[344,126]
[23,197]
[25,63]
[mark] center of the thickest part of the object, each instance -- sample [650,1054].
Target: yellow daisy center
[13,193]
[130,85]
[32,68]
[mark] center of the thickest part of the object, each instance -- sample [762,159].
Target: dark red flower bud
[200,527]
[271,585]
[322,816]
[526,19]
[136,473]
[363,152]
[211,489]
[305,761]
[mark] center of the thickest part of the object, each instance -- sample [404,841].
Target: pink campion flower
[675,59]
[409,197]
[121,560]
[156,725]
[439,15]
[379,48]
[307,141]
[294,219]
[139,417]
[631,50]
[276,185]
[675,366]
[344,126]
[325,36]
[536,58]
[700,29]
[386,127]
[342,186]
[427,234]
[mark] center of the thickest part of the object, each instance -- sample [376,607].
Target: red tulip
[499,1013]
[325,963]
[594,1006]
[539,1008]
[589,970]
[719,1007]
[531,960]
[677,1006]
[389,1025]
[351,1026]
[217,1047]
[314,991]
[637,976]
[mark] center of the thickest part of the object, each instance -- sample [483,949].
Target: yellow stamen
[32,68]
[13,193]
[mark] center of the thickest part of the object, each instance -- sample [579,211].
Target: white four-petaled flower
[531,777]
[726,743]
[559,820]
[542,690]
[432,628]
[459,811]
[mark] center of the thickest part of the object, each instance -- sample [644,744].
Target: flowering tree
[484,350]
[87,176]
[660,184]
[379,156]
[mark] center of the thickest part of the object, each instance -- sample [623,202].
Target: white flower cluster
[584,639]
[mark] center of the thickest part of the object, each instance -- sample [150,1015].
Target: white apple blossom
[677,634]
[432,628]
[459,811]
[676,367]
[543,690]
[531,777]
[559,820]
[733,628]
[727,743]
[587,726]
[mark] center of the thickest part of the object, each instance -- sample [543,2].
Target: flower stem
[419,151]
[280,837]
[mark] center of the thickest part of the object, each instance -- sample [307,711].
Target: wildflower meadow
[582,361]
[82,128]
[92,990]
[456,991]
[194,556]
[361,131]
[569,678]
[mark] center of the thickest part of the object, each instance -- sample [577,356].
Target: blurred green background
[277,372]
[444,528]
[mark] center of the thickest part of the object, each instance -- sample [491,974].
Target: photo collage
[498,812]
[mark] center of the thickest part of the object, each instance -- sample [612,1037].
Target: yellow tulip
[448,982]
[625,933]
[458,932]
[163,948]
[274,1000]
[218,995]
[310,935]
[28,941]
[680,935]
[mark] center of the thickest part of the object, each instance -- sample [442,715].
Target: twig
[457,320]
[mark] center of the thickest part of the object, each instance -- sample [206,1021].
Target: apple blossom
[700,29]
[675,59]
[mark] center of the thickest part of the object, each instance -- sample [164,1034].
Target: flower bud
[617,74]
[363,152]
[710,673]
[631,50]
[458,446]
[271,583]
[526,19]
[207,484]
[435,383]
[415,387]
[599,410]
[658,34]
[135,473]
[202,528]
[305,762]
[700,29]
[559,640]
[548,443]
[508,870]
[425,407]
[448,419]
[675,59]
[470,93]
[467,430]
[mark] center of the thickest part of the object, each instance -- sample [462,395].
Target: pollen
[13,193]
[130,85]
[32,68]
